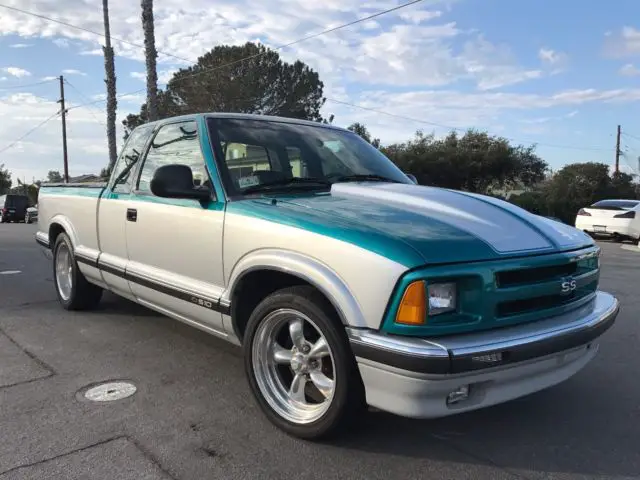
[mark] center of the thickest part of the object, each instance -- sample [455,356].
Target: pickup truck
[346,284]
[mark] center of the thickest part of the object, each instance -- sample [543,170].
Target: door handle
[132,214]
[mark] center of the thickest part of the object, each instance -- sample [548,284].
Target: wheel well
[54,230]
[253,288]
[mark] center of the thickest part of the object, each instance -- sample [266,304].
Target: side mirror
[176,181]
[412,178]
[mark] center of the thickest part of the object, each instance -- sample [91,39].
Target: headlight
[442,297]
[420,301]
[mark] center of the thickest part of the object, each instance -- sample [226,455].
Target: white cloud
[419,16]
[629,70]
[163,76]
[61,42]
[16,72]
[20,45]
[626,43]
[49,78]
[551,57]
[3,79]
[414,48]
[72,71]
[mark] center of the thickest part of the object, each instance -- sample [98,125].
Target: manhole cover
[109,392]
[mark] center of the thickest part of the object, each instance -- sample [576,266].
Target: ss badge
[567,286]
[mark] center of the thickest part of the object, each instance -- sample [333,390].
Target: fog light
[458,395]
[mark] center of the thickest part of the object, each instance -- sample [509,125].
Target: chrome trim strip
[42,239]
[467,352]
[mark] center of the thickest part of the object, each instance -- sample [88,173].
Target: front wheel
[300,366]
[72,288]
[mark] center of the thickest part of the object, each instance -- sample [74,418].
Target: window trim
[138,174]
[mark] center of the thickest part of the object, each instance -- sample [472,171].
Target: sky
[558,74]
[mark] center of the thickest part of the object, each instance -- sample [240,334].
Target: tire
[76,293]
[269,375]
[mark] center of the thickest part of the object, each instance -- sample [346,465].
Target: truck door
[112,213]
[175,245]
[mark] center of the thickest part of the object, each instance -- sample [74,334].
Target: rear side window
[131,153]
[615,204]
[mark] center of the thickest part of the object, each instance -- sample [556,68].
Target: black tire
[83,295]
[348,400]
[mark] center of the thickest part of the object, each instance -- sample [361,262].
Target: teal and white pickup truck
[345,283]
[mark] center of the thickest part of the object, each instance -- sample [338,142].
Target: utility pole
[618,150]
[63,112]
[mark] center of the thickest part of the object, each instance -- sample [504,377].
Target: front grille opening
[512,278]
[528,305]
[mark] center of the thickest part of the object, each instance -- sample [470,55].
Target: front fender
[306,268]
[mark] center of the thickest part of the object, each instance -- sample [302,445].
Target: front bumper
[413,376]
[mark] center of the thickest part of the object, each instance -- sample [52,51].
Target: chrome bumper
[492,348]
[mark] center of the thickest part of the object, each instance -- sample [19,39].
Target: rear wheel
[72,288]
[300,366]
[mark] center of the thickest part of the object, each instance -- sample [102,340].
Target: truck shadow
[566,430]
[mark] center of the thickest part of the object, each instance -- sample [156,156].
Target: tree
[250,78]
[5,180]
[110,80]
[361,130]
[54,176]
[475,161]
[151,54]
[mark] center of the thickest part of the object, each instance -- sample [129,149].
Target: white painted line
[10,272]
[631,248]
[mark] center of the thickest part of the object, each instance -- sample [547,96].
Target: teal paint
[479,294]
[404,236]
[334,227]
[93,192]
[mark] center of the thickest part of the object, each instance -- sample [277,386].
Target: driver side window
[126,164]
[176,143]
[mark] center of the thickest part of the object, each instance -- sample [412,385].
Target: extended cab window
[176,143]
[130,155]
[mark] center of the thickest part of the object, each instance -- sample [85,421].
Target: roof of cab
[244,116]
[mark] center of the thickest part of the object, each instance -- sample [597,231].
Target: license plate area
[600,228]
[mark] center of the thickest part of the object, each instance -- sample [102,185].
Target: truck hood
[433,224]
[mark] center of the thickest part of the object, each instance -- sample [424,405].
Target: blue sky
[559,74]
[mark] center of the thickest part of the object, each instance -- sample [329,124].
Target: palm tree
[110,80]
[150,58]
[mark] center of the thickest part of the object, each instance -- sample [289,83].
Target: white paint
[109,392]
[10,272]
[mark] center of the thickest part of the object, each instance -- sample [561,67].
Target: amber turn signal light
[413,306]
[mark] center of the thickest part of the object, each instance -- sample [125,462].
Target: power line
[403,117]
[29,84]
[87,105]
[630,136]
[60,22]
[15,142]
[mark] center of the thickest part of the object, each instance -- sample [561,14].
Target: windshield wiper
[365,177]
[288,183]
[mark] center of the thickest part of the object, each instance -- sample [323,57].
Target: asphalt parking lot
[193,417]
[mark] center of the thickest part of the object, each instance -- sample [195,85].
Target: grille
[538,289]
[512,278]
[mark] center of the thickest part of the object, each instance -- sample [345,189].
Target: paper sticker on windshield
[245,182]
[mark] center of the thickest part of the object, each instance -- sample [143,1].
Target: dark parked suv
[13,208]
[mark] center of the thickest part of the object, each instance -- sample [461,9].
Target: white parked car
[619,219]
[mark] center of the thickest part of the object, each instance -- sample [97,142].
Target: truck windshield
[262,155]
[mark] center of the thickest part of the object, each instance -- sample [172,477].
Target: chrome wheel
[64,271]
[293,366]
